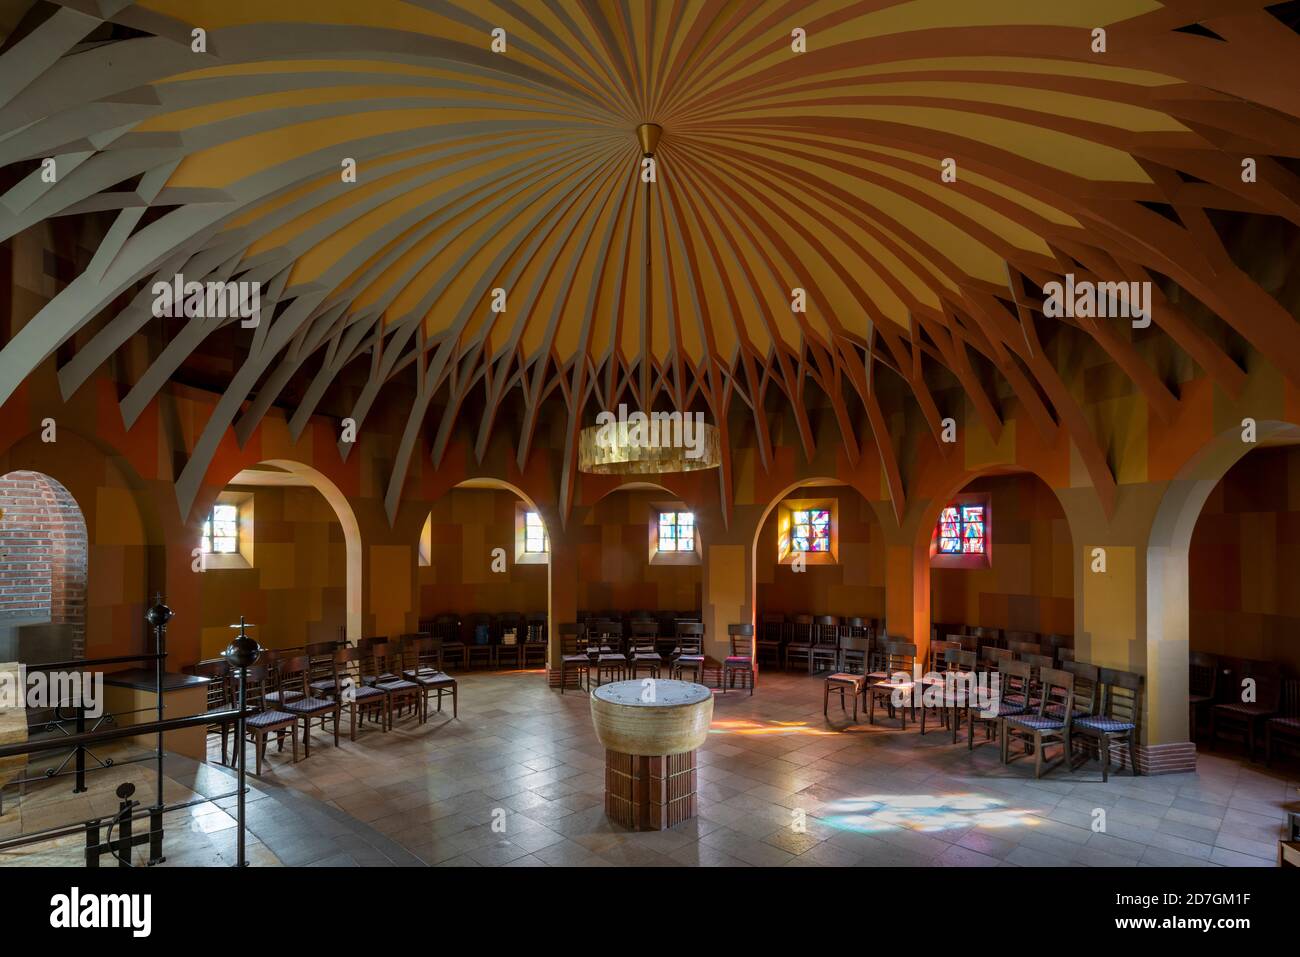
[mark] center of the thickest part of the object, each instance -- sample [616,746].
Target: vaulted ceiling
[777,170]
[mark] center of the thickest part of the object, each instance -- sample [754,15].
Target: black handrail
[122,731]
[85,662]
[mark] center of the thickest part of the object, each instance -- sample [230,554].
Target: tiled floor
[517,781]
[284,826]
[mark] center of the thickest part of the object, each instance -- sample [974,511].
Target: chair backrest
[956,659]
[899,656]
[322,649]
[217,671]
[853,625]
[644,628]
[826,629]
[1022,648]
[291,674]
[773,627]
[422,652]
[690,645]
[856,649]
[385,658]
[994,656]
[1014,678]
[1289,706]
[801,628]
[1087,689]
[1038,662]
[691,629]
[1056,689]
[741,638]
[259,677]
[571,638]
[1021,637]
[937,648]
[535,628]
[1203,674]
[1122,691]
[1064,654]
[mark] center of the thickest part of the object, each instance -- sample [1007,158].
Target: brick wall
[42,554]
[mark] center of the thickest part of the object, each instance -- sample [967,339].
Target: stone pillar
[1130,611]
[562,589]
[907,576]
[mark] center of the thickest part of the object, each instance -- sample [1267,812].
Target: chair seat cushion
[310,705]
[1037,722]
[646,656]
[846,677]
[263,718]
[398,685]
[690,659]
[360,692]
[576,660]
[323,686]
[742,660]
[278,696]
[1101,723]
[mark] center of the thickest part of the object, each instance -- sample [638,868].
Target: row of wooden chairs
[376,679]
[813,640]
[1038,703]
[1244,696]
[605,646]
[508,639]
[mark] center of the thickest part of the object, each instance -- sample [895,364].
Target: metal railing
[243,652]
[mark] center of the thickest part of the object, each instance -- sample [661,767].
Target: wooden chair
[1022,648]
[1202,687]
[1249,716]
[1121,709]
[447,629]
[307,707]
[270,660]
[855,657]
[847,681]
[957,691]
[1063,655]
[267,720]
[771,640]
[534,645]
[643,651]
[1042,727]
[421,663]
[573,656]
[607,637]
[690,655]
[799,647]
[1285,725]
[1012,700]
[354,695]
[479,649]
[507,639]
[217,671]
[825,652]
[741,660]
[899,656]
[1087,693]
[385,674]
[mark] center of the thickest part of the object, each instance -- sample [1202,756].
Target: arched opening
[280,546]
[1002,559]
[818,550]
[641,550]
[1168,576]
[1243,611]
[484,575]
[43,570]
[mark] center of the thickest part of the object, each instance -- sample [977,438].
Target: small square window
[221,530]
[676,532]
[535,539]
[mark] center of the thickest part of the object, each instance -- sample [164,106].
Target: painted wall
[614,569]
[1029,585]
[855,586]
[467,524]
[1243,562]
[295,591]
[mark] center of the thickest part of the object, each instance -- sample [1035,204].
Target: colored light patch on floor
[924,812]
[751,727]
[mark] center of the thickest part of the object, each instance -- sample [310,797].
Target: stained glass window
[676,531]
[535,542]
[221,530]
[962,530]
[810,530]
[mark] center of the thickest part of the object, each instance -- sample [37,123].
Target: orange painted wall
[467,524]
[1242,567]
[294,592]
[1030,583]
[855,586]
